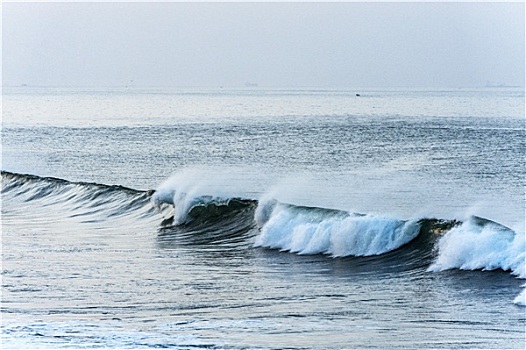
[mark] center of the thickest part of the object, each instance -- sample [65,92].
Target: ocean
[263,218]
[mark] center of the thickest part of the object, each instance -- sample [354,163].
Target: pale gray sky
[326,45]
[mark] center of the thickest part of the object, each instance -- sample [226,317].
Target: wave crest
[82,198]
[480,244]
[188,204]
[305,230]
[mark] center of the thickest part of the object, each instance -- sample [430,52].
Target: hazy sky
[326,45]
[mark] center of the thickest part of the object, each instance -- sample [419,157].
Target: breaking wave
[185,209]
[476,244]
[305,230]
[480,244]
[192,217]
[212,223]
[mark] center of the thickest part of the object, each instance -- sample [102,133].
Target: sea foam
[481,246]
[305,230]
[521,298]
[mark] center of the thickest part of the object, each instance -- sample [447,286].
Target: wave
[287,227]
[190,204]
[475,244]
[78,198]
[192,217]
[389,245]
[305,230]
[308,230]
[212,224]
[313,230]
[219,222]
[480,244]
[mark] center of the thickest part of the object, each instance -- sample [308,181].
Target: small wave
[480,244]
[81,198]
[305,230]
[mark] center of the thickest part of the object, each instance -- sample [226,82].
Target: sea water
[263,219]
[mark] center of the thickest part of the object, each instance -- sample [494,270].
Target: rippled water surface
[302,219]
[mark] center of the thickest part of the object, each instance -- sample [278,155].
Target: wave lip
[305,230]
[480,244]
[188,208]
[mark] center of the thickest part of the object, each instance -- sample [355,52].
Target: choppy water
[302,219]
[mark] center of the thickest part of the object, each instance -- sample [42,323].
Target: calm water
[302,219]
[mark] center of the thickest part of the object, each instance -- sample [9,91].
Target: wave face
[189,204]
[480,244]
[306,230]
[212,224]
[79,199]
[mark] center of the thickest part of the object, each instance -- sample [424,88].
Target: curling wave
[480,244]
[476,244]
[212,224]
[275,225]
[305,230]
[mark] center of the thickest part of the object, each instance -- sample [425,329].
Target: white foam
[187,188]
[473,246]
[521,298]
[311,231]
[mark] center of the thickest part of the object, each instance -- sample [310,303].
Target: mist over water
[294,218]
[266,44]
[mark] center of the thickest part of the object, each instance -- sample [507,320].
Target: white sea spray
[304,230]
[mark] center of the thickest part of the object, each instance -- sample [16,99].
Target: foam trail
[481,245]
[305,230]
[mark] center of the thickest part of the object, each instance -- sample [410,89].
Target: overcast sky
[323,45]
